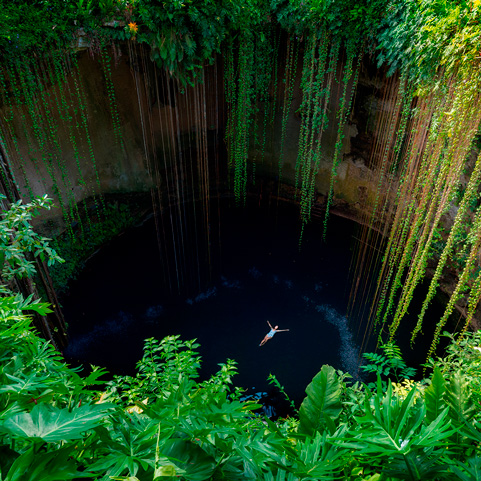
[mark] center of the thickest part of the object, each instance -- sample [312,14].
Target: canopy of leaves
[186,34]
[424,35]
[35,24]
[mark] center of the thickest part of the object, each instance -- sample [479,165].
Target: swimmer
[271,333]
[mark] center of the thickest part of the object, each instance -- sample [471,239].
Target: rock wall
[173,139]
[160,125]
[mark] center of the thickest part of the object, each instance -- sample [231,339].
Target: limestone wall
[162,126]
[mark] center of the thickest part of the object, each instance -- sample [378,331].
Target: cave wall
[356,182]
[159,124]
[166,129]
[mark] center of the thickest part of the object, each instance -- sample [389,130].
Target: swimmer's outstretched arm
[280,330]
[270,325]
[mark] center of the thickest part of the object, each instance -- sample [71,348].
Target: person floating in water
[271,333]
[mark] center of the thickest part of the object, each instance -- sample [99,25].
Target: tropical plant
[19,243]
[389,365]
[462,357]
[397,428]
[322,406]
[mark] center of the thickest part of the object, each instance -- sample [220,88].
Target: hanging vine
[114,112]
[465,127]
[458,225]
[67,112]
[7,133]
[316,95]
[30,95]
[266,57]
[248,77]
[342,114]
[289,82]
[243,113]
[441,134]
[49,103]
[79,94]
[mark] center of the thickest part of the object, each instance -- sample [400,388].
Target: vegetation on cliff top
[186,34]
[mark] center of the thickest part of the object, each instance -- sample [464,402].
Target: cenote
[205,169]
[255,271]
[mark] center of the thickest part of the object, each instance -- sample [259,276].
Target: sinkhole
[249,271]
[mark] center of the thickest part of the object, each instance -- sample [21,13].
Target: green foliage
[183,35]
[37,24]
[424,35]
[322,405]
[186,34]
[164,421]
[19,243]
[389,365]
[353,19]
[186,429]
[398,430]
[462,356]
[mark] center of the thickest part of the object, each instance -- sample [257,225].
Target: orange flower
[133,27]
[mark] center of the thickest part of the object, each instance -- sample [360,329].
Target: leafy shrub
[388,365]
[19,243]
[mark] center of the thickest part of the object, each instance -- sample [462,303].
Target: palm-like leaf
[434,396]
[323,402]
[53,424]
[319,458]
[395,430]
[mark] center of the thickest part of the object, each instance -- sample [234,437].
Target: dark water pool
[257,273]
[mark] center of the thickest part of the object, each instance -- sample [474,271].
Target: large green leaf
[434,396]
[459,399]
[188,459]
[323,402]
[55,466]
[54,424]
